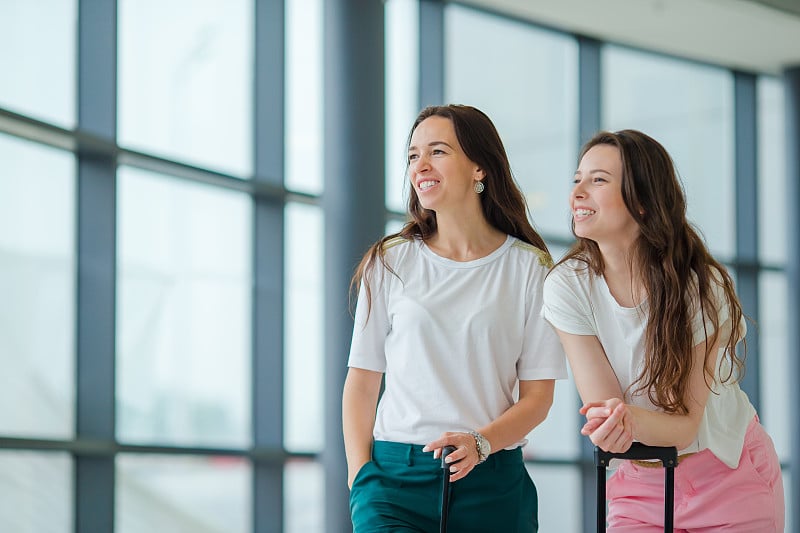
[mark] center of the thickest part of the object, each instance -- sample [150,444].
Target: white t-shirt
[580,303]
[453,338]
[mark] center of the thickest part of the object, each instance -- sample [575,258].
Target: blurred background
[187,185]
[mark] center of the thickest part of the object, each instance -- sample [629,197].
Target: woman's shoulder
[543,258]
[572,268]
[398,249]
[393,242]
[571,273]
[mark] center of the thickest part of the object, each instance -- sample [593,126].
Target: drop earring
[479,187]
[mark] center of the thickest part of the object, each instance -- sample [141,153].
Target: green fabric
[401,490]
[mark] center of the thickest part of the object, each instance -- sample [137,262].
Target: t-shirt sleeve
[566,305]
[542,354]
[371,324]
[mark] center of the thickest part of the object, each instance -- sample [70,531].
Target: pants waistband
[410,454]
[657,464]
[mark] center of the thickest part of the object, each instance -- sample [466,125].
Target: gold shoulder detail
[391,243]
[544,258]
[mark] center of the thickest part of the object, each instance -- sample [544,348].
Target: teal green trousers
[401,490]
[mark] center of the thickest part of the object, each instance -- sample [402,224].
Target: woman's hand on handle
[609,424]
[463,459]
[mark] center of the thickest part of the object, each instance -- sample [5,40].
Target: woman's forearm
[657,428]
[534,403]
[359,400]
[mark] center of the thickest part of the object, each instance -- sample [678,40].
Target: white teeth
[426,184]
[584,212]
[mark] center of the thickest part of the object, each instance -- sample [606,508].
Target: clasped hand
[609,424]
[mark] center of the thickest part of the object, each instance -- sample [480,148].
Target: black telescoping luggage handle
[668,455]
[447,450]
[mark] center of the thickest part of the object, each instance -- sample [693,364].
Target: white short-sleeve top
[453,338]
[580,303]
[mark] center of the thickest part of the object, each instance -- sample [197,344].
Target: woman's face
[440,172]
[598,210]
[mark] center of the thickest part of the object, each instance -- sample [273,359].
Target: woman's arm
[657,428]
[535,399]
[593,374]
[612,424]
[359,401]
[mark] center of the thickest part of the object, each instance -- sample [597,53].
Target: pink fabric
[709,496]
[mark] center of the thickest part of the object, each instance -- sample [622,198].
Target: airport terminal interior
[187,186]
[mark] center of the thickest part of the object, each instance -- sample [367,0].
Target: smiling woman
[598,208]
[448,311]
[650,323]
[442,175]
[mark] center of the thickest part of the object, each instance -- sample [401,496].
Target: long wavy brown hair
[502,201]
[676,268]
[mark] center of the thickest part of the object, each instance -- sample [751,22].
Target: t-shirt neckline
[500,250]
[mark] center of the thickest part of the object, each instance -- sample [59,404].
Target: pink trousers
[709,496]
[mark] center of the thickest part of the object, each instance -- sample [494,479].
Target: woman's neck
[622,277]
[465,239]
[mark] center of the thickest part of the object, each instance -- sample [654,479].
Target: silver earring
[479,187]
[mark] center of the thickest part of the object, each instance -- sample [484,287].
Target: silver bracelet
[482,446]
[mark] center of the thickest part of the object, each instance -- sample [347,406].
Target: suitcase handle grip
[668,455]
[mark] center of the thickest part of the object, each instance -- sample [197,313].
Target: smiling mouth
[583,212]
[427,184]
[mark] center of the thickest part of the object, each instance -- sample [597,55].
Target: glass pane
[557,251]
[304,490]
[183,312]
[183,494]
[402,68]
[558,437]
[304,96]
[771,170]
[531,97]
[37,51]
[393,226]
[185,80]
[559,491]
[36,492]
[773,353]
[37,284]
[303,361]
[689,109]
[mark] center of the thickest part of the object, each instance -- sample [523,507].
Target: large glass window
[37,284]
[183,494]
[771,171]
[37,51]
[183,312]
[303,361]
[36,492]
[559,493]
[688,108]
[303,141]
[773,353]
[185,80]
[774,375]
[303,497]
[402,66]
[501,73]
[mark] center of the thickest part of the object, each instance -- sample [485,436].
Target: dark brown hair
[502,202]
[677,270]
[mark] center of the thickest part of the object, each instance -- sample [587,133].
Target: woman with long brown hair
[650,323]
[448,313]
